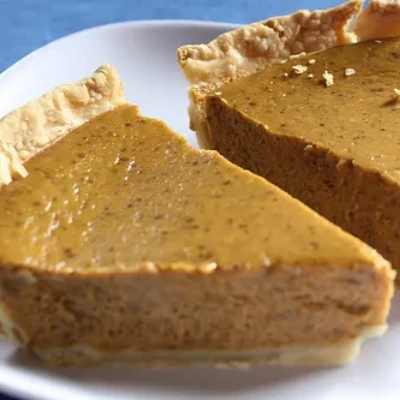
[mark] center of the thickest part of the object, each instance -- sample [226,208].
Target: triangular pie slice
[323,126]
[120,241]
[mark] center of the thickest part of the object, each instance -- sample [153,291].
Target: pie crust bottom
[322,354]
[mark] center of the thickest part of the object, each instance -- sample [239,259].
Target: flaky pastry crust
[28,130]
[252,47]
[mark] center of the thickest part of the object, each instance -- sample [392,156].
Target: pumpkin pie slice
[118,241]
[323,126]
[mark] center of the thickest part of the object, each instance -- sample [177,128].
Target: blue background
[26,25]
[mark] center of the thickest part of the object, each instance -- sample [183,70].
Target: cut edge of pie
[251,48]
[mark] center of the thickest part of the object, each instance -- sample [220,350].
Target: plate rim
[120,25]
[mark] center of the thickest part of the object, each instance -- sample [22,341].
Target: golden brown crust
[31,128]
[380,19]
[252,47]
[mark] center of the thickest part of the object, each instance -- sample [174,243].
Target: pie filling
[325,128]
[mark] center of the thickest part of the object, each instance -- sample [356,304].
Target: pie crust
[311,355]
[28,130]
[252,47]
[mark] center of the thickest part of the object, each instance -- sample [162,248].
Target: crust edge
[250,48]
[28,130]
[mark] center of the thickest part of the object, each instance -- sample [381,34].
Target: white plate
[144,53]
